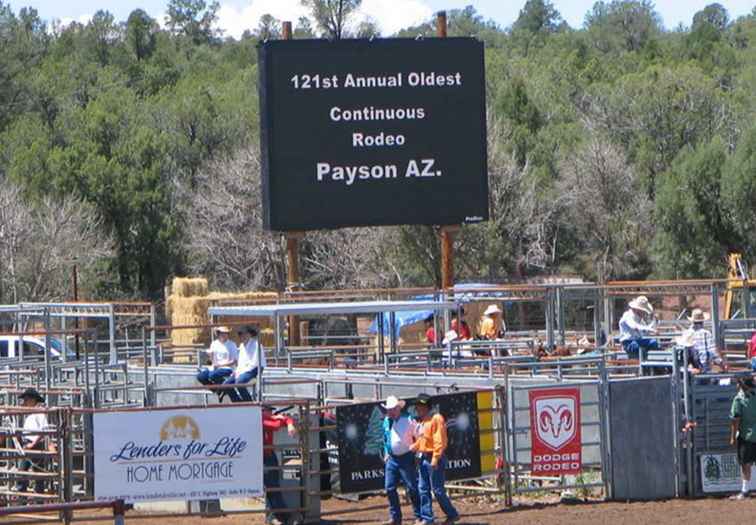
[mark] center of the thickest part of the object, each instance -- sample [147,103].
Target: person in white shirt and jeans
[251,364]
[30,440]
[399,461]
[636,325]
[223,355]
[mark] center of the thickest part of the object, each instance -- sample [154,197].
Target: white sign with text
[193,454]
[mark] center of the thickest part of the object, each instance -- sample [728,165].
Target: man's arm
[439,440]
[734,425]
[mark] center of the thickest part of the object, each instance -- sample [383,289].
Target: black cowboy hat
[31,393]
[423,399]
[251,330]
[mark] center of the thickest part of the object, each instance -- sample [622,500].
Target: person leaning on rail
[743,431]
[430,446]
[274,501]
[398,434]
[702,344]
[251,364]
[636,325]
[223,356]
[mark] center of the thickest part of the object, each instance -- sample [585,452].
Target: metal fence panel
[642,439]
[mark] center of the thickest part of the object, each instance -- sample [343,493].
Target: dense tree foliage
[616,150]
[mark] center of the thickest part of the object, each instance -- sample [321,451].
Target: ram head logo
[555,421]
[179,427]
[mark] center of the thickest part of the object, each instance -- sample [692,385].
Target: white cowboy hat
[492,309]
[393,402]
[223,330]
[641,303]
[685,340]
[450,336]
[698,316]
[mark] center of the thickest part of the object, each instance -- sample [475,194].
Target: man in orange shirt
[430,446]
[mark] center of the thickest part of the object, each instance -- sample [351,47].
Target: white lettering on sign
[360,140]
[307,81]
[349,174]
[371,113]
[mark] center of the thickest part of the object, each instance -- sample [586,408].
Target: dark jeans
[243,393]
[396,468]
[432,480]
[213,377]
[633,347]
[27,465]
[272,480]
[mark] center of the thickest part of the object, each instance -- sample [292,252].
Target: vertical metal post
[381,338]
[675,394]
[501,403]
[604,431]
[607,320]
[597,317]
[86,364]
[145,364]
[687,412]
[48,368]
[394,334]
[153,324]
[96,397]
[715,327]
[549,319]
[112,335]
[560,313]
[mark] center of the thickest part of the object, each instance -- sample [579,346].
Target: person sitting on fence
[398,434]
[492,325]
[430,445]
[251,364]
[704,349]
[223,356]
[462,329]
[31,441]
[636,325]
[274,501]
[743,431]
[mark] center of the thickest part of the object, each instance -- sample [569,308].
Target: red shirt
[271,424]
[464,332]
[430,335]
[752,349]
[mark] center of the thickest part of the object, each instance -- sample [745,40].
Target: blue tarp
[411,317]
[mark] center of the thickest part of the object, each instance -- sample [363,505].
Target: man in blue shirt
[398,435]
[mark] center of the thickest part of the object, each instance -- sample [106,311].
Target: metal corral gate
[593,439]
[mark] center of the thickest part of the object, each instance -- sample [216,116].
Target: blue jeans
[633,347]
[396,468]
[243,393]
[213,377]
[272,480]
[432,480]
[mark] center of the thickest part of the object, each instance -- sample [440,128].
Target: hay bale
[189,287]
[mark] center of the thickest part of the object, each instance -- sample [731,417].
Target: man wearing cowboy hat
[223,355]
[703,347]
[636,325]
[430,445]
[743,431]
[398,433]
[33,422]
[251,364]
[492,325]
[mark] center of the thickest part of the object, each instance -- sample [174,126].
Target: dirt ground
[704,511]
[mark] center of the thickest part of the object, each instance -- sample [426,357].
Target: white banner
[192,454]
[721,473]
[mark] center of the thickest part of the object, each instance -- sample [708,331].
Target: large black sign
[360,441]
[372,132]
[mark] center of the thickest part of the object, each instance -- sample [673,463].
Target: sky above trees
[237,15]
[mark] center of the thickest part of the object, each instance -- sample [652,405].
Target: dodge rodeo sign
[555,431]
[372,132]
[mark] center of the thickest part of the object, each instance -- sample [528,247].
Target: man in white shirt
[250,366]
[636,325]
[30,440]
[223,355]
[703,348]
[398,435]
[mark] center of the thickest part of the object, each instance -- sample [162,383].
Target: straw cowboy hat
[223,330]
[450,336]
[698,316]
[492,309]
[641,303]
[685,340]
[393,402]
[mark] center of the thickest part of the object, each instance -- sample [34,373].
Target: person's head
[249,332]
[492,311]
[31,398]
[747,385]
[429,320]
[697,317]
[393,407]
[641,306]
[222,333]
[267,410]
[422,405]
[455,314]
